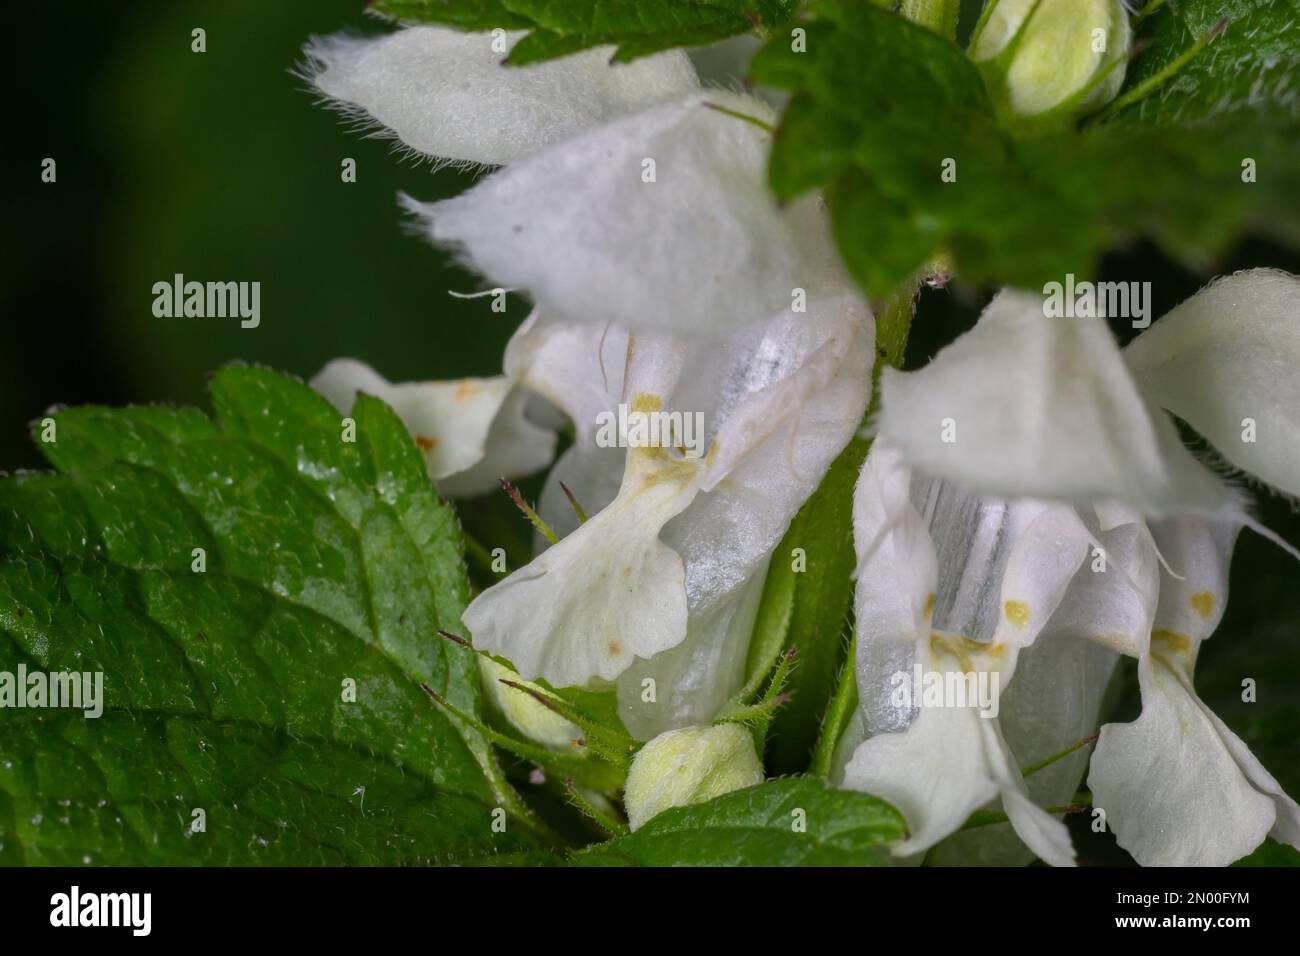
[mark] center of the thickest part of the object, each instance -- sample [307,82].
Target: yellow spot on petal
[645,402]
[1172,642]
[929,605]
[614,648]
[426,443]
[1017,612]
[1203,604]
[466,390]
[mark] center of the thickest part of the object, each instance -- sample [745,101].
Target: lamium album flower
[1026,516]
[745,503]
[1003,470]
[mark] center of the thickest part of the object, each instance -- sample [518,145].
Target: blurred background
[220,166]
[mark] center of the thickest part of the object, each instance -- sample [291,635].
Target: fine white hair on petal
[1025,405]
[662,219]
[1225,361]
[471,432]
[446,93]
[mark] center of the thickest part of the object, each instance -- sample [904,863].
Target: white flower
[672,560]
[628,195]
[1039,408]
[471,432]
[956,586]
[1178,786]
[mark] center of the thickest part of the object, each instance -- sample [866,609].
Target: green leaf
[761,826]
[881,106]
[1251,67]
[808,610]
[560,27]
[325,560]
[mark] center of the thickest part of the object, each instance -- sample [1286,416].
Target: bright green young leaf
[792,822]
[560,27]
[893,123]
[225,689]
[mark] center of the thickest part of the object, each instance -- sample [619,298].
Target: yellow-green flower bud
[690,765]
[1045,56]
[533,719]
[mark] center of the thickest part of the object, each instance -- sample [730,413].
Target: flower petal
[1173,784]
[609,592]
[897,579]
[1225,362]
[471,432]
[1029,406]
[658,220]
[781,428]
[1199,550]
[933,773]
[1112,597]
[447,94]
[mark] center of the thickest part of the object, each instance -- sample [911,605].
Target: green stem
[837,716]
[1033,768]
[611,825]
[478,553]
[937,15]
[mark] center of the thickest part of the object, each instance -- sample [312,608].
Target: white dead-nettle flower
[684,537]
[471,432]
[446,94]
[951,590]
[628,195]
[1040,409]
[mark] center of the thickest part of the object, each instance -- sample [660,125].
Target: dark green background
[220,166]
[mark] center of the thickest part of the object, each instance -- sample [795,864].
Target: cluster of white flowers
[631,206]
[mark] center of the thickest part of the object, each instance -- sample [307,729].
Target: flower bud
[1049,56]
[687,766]
[525,713]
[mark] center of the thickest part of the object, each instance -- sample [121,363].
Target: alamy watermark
[644,424]
[75,908]
[208,300]
[922,688]
[76,690]
[1098,300]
